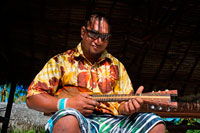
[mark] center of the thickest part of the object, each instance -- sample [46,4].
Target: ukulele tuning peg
[166,91]
[160,108]
[152,107]
[168,109]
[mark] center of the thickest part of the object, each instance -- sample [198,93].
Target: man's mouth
[94,46]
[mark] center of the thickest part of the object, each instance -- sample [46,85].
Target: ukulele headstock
[161,100]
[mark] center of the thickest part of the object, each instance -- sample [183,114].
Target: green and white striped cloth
[107,123]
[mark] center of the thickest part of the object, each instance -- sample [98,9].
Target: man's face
[94,38]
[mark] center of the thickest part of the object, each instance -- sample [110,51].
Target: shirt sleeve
[47,80]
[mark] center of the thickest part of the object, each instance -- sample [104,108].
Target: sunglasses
[95,35]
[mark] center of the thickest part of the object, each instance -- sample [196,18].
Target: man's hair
[97,15]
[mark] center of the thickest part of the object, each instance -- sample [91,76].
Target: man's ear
[82,31]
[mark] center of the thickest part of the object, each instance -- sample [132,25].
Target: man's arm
[47,103]
[42,102]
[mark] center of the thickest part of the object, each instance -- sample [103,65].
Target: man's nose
[98,41]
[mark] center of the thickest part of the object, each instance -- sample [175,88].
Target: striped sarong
[107,123]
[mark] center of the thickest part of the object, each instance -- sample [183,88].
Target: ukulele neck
[125,97]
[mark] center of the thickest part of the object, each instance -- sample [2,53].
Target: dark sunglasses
[95,35]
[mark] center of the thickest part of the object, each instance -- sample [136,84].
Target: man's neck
[92,59]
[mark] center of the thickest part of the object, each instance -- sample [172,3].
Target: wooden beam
[178,66]
[111,8]
[165,82]
[180,128]
[178,115]
[137,78]
[194,35]
[190,74]
[164,56]
[183,110]
[177,19]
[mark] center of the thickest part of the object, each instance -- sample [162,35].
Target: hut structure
[158,41]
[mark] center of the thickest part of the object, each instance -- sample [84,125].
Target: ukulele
[160,100]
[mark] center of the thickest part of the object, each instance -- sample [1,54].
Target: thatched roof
[157,40]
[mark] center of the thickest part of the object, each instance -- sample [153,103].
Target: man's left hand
[133,105]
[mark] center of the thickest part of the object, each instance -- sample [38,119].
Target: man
[90,66]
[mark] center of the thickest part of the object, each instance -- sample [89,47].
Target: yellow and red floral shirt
[106,76]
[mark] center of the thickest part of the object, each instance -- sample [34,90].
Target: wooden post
[9,107]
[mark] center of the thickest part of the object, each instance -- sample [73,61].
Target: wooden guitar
[160,100]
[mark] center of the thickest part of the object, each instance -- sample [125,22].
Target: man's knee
[68,123]
[159,128]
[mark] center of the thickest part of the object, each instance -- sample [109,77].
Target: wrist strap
[62,103]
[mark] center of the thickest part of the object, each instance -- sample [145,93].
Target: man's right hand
[83,103]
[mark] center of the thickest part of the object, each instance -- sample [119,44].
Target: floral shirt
[106,76]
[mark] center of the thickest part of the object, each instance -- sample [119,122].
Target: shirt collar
[79,52]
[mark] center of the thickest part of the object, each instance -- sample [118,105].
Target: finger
[89,107]
[97,104]
[90,102]
[131,106]
[140,89]
[136,105]
[139,100]
[88,99]
[86,95]
[126,108]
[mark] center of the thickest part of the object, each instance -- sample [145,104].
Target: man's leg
[67,124]
[159,128]
[138,122]
[70,120]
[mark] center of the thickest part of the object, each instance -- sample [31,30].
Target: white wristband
[61,104]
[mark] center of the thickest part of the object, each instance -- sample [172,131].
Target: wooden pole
[9,107]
